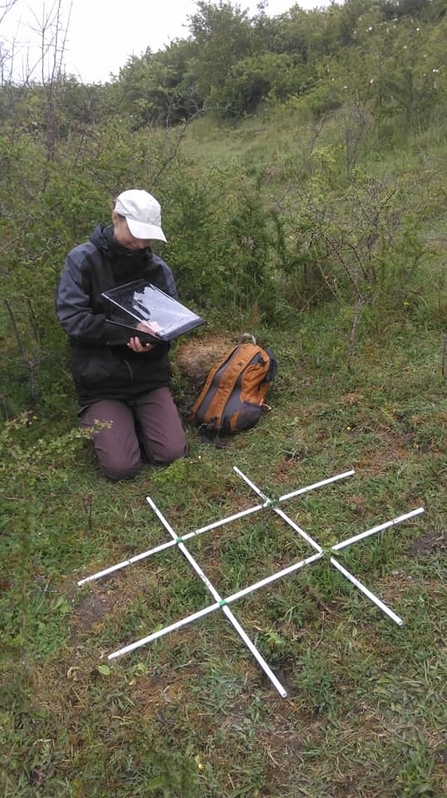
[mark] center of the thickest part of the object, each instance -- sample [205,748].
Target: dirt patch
[153,693]
[92,609]
[195,358]
[428,542]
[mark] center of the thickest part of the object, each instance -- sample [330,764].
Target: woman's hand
[145,326]
[136,345]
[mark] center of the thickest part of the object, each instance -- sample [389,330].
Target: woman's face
[123,235]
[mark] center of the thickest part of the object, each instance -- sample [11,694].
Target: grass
[193,714]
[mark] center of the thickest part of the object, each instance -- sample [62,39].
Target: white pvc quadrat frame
[222,603]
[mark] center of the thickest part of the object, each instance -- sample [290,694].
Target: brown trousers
[150,424]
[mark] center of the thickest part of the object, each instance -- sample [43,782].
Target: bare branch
[5,8]
[42,47]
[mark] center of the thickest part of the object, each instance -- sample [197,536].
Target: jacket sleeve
[73,305]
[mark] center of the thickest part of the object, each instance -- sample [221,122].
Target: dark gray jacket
[102,367]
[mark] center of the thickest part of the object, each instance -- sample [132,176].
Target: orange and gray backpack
[232,398]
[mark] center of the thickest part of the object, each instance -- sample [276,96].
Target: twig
[357,312]
[444,354]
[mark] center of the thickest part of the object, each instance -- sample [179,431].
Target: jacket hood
[125,262]
[104,240]
[101,236]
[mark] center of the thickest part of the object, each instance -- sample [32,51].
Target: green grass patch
[192,714]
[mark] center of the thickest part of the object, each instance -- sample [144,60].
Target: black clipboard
[138,302]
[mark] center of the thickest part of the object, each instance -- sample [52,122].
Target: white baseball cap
[142,213]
